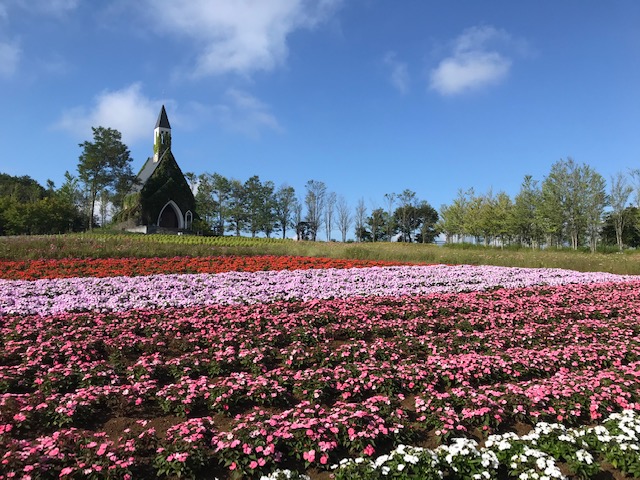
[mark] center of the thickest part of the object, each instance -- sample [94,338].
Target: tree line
[571,206]
[228,205]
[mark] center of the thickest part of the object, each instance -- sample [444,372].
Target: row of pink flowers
[161,291]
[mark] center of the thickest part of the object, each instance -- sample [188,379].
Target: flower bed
[243,373]
[113,267]
[125,293]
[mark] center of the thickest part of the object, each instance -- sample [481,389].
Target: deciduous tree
[284,206]
[619,193]
[315,202]
[344,217]
[360,218]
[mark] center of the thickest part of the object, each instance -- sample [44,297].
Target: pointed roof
[163,121]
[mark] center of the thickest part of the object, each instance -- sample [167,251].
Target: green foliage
[627,221]
[105,164]
[21,189]
[27,208]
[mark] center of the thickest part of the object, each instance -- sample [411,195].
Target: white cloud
[245,114]
[475,62]
[399,72]
[239,36]
[9,59]
[126,110]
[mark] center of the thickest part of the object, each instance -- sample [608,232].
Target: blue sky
[368,96]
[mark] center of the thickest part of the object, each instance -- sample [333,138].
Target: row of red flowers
[112,267]
[252,385]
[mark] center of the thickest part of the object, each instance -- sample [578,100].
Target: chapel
[162,200]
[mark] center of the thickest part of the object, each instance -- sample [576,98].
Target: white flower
[380,460]
[412,459]
[584,456]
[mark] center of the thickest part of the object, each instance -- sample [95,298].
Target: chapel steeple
[161,135]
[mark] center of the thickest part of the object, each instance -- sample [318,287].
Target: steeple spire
[163,121]
[161,135]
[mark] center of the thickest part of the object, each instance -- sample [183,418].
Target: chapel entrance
[168,219]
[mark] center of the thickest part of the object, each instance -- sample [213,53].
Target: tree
[297,218]
[391,200]
[105,164]
[405,214]
[71,195]
[573,202]
[488,216]
[315,202]
[503,211]
[377,221]
[259,206]
[220,190]
[472,221]
[452,217]
[635,177]
[285,202]
[630,234]
[428,219]
[70,191]
[596,201]
[237,214]
[619,193]
[550,213]
[360,219]
[344,217]
[525,223]
[205,203]
[104,201]
[329,210]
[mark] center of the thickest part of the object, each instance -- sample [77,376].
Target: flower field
[113,267]
[316,367]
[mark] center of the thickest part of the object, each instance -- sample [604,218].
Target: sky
[368,96]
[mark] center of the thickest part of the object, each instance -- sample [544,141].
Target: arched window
[188,220]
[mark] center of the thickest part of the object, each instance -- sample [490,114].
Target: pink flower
[19,417]
[309,456]
[369,450]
